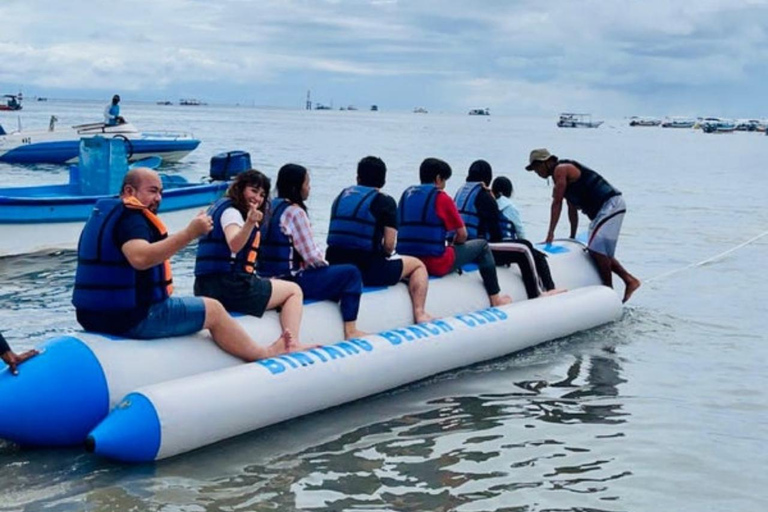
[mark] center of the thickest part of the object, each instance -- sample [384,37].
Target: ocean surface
[666,409]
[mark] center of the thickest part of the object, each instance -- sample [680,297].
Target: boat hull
[49,411]
[63,146]
[36,224]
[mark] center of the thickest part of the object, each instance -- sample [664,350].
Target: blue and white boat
[51,217]
[61,146]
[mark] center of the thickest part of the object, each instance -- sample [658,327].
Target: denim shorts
[175,316]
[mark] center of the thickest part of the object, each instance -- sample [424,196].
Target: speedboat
[644,121]
[51,217]
[11,102]
[60,146]
[677,122]
[571,120]
[717,125]
[480,112]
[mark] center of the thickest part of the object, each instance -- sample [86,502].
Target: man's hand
[13,360]
[201,225]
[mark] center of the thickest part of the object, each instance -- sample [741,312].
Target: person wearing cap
[11,358]
[112,115]
[586,190]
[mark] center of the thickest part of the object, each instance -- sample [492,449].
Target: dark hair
[115,98]
[249,178]
[502,186]
[480,170]
[431,168]
[371,172]
[290,179]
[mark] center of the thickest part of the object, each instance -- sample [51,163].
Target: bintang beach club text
[395,337]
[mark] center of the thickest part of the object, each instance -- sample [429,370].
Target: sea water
[666,409]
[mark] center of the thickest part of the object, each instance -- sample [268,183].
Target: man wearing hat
[112,115]
[586,190]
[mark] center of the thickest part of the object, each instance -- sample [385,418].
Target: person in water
[363,232]
[112,115]
[288,251]
[481,215]
[225,267]
[585,190]
[427,215]
[11,358]
[123,282]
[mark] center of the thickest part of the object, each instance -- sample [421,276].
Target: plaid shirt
[294,223]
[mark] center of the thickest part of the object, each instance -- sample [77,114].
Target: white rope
[708,260]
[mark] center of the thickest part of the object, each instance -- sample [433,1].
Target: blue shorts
[175,316]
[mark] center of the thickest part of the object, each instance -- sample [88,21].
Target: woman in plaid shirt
[288,251]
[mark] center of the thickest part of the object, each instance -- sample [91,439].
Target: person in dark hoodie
[481,215]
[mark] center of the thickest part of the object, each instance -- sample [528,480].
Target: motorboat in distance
[61,146]
[573,120]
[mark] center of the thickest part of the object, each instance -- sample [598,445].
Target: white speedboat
[61,146]
[677,122]
[571,120]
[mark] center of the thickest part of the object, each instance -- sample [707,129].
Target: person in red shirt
[427,214]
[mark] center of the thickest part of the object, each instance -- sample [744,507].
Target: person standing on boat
[480,213]
[112,115]
[11,358]
[225,267]
[426,215]
[123,283]
[363,232]
[288,251]
[586,190]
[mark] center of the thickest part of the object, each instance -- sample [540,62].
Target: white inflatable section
[130,364]
[202,409]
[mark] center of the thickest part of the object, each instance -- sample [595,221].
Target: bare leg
[232,338]
[631,283]
[607,265]
[603,267]
[289,297]
[351,330]
[418,279]
[500,300]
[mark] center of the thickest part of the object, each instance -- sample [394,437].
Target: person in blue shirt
[513,230]
[112,115]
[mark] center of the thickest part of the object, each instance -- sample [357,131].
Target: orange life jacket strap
[134,204]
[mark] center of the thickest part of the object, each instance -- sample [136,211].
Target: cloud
[515,56]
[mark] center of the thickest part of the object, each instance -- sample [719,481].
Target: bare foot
[282,345]
[631,286]
[500,300]
[422,317]
[556,291]
[354,333]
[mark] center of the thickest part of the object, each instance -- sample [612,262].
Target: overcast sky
[609,57]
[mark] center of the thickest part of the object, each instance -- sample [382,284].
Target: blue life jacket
[590,192]
[104,280]
[421,232]
[353,226]
[276,254]
[213,253]
[465,203]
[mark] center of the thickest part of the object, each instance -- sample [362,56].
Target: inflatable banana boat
[169,396]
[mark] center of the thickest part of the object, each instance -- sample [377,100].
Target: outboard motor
[226,166]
